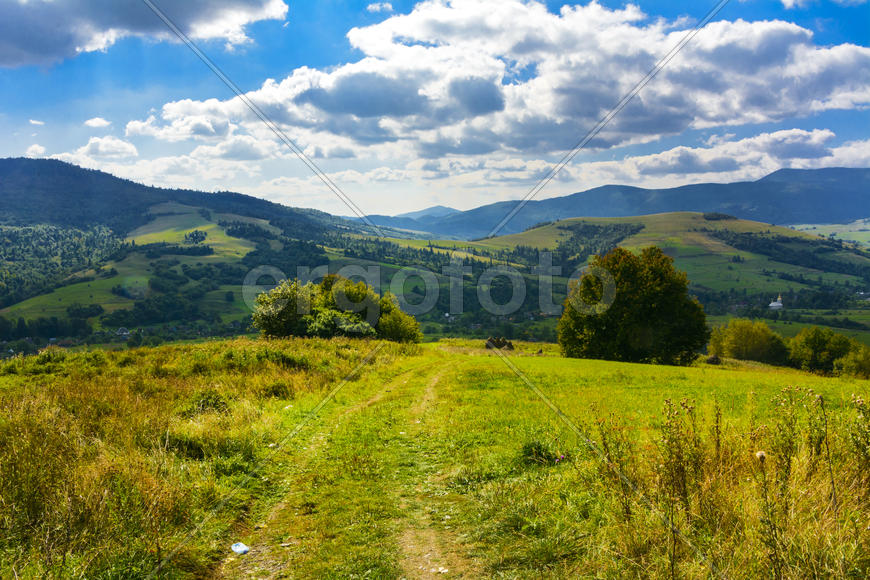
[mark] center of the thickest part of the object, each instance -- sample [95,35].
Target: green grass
[432,457]
[172,221]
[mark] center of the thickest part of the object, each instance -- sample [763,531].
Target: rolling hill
[695,242]
[787,196]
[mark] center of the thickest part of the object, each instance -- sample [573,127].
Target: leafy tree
[5,329]
[652,317]
[747,340]
[281,311]
[815,349]
[195,237]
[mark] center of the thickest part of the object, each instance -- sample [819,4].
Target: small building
[776,304]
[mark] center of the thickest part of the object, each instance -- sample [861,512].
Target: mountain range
[786,197]
[43,191]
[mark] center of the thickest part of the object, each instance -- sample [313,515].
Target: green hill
[45,191]
[145,257]
[696,243]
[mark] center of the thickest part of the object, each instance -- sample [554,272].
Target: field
[432,460]
[857,231]
[706,260]
[170,224]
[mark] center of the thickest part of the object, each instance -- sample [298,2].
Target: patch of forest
[36,259]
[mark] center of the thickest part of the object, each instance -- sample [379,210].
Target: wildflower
[761,456]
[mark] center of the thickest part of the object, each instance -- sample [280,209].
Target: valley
[735,266]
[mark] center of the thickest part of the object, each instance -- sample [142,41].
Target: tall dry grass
[108,459]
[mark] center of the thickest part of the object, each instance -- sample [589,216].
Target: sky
[406,105]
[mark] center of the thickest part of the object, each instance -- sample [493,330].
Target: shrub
[855,364]
[744,339]
[815,349]
[281,311]
[335,307]
[395,324]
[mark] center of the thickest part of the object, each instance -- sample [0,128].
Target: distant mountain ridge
[787,196]
[45,191]
[436,211]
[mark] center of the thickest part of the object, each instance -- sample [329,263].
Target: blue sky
[410,104]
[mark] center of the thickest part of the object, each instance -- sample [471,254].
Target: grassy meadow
[431,460]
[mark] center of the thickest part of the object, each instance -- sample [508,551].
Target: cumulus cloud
[35,150]
[38,32]
[35,122]
[181,128]
[478,94]
[108,148]
[97,123]
[727,159]
[380,7]
[485,76]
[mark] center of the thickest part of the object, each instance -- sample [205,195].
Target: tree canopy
[651,318]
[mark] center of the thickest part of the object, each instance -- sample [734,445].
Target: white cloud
[108,148]
[97,123]
[238,148]
[35,150]
[486,76]
[35,122]
[47,31]
[480,95]
[182,126]
[380,7]
[727,160]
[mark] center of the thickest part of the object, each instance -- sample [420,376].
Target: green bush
[335,307]
[744,339]
[855,364]
[816,349]
[282,311]
[395,324]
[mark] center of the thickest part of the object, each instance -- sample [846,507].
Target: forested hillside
[45,191]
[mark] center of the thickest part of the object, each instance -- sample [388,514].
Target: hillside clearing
[436,456]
